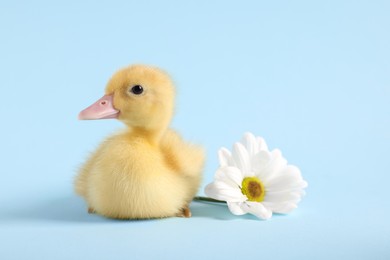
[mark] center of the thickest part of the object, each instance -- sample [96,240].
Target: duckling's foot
[184,212]
[91,210]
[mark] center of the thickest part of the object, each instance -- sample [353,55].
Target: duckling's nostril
[103,102]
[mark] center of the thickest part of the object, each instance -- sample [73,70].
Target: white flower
[251,179]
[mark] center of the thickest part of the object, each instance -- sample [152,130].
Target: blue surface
[311,78]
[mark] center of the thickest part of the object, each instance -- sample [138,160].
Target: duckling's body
[146,171]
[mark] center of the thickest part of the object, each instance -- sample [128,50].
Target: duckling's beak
[101,109]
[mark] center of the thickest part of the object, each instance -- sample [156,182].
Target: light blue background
[311,77]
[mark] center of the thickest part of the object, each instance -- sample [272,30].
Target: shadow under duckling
[147,170]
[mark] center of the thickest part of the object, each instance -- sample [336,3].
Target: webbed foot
[184,212]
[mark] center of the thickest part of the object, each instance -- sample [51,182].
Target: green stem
[207,199]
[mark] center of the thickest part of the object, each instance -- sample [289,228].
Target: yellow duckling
[147,170]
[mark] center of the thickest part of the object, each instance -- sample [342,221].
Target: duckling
[147,170]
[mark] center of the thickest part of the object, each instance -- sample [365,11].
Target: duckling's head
[140,96]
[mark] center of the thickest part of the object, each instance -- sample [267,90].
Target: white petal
[285,180]
[221,176]
[281,182]
[241,157]
[222,191]
[250,143]
[225,157]
[286,208]
[222,185]
[235,208]
[281,197]
[234,174]
[289,178]
[292,170]
[276,164]
[278,161]
[282,208]
[283,186]
[260,161]
[270,205]
[257,209]
[230,175]
[262,144]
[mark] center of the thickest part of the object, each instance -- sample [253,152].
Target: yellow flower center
[253,189]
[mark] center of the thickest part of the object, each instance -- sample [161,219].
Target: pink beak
[101,109]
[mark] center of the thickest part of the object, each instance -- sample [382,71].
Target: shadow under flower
[216,211]
[73,209]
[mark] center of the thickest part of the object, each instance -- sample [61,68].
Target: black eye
[137,89]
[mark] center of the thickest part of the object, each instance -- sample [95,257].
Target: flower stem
[207,199]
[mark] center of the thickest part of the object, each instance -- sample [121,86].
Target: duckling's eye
[137,90]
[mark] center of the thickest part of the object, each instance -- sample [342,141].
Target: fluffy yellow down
[147,170]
